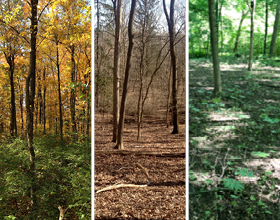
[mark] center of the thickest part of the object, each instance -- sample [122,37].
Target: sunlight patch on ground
[214,116]
[225,67]
[270,100]
[220,128]
[203,143]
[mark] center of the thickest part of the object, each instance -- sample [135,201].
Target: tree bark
[10,58]
[73,90]
[141,74]
[116,114]
[170,21]
[275,30]
[21,112]
[239,31]
[266,26]
[127,67]
[97,58]
[30,95]
[59,92]
[251,36]
[214,48]
[44,100]
[168,97]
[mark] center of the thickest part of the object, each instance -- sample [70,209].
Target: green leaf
[260,154]
[252,198]
[244,172]
[208,181]
[233,184]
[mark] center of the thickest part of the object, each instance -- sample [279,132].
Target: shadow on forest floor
[238,137]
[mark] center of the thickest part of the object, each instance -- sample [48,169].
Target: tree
[118,19]
[127,67]
[266,26]
[275,30]
[251,35]
[146,22]
[10,58]
[214,47]
[243,16]
[30,90]
[170,22]
[10,44]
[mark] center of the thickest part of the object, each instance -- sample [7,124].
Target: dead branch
[119,186]
[147,153]
[143,169]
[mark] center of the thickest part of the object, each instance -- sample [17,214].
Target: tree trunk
[116,114]
[170,21]
[44,100]
[221,26]
[140,99]
[266,26]
[30,95]
[127,67]
[168,97]
[59,92]
[97,58]
[217,19]
[40,105]
[251,36]
[73,90]
[275,31]
[10,58]
[214,48]
[239,31]
[141,74]
[21,112]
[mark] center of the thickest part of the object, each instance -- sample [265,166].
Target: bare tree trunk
[275,31]
[97,58]
[170,21]
[214,47]
[243,16]
[62,212]
[127,67]
[30,95]
[251,36]
[116,90]
[139,107]
[168,97]
[141,74]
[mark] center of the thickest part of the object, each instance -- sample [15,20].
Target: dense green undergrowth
[233,138]
[63,172]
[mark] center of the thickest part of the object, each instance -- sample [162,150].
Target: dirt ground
[165,196]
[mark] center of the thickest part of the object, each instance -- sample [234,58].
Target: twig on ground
[144,170]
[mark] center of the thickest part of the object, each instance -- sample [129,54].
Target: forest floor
[164,197]
[234,140]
